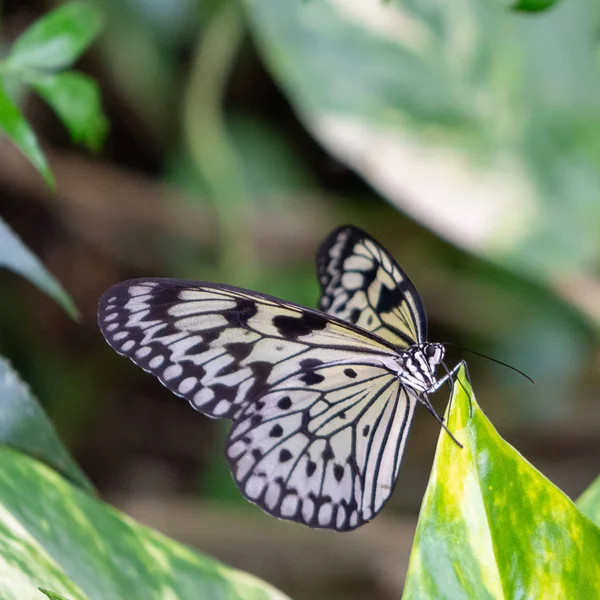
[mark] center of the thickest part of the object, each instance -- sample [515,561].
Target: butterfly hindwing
[218,346]
[323,447]
[362,283]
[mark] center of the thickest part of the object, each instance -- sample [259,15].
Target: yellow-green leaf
[492,526]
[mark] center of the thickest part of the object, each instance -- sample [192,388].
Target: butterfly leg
[450,377]
[424,400]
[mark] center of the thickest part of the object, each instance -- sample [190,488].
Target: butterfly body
[321,400]
[418,364]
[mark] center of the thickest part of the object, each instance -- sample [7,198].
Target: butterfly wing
[323,447]
[219,346]
[362,283]
[321,418]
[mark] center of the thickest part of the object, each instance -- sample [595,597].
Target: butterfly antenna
[492,359]
[429,407]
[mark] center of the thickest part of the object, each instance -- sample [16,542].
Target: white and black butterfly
[321,400]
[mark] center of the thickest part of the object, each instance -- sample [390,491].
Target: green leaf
[21,134]
[14,255]
[52,595]
[533,5]
[589,502]
[58,538]
[25,427]
[524,5]
[75,98]
[56,40]
[492,526]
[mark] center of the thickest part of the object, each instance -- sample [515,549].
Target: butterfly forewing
[323,447]
[361,283]
[218,346]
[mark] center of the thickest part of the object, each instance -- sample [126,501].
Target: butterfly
[321,400]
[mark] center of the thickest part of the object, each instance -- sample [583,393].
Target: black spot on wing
[310,363]
[354,315]
[211,335]
[369,276]
[328,454]
[284,403]
[276,431]
[284,455]
[390,298]
[239,350]
[260,372]
[241,313]
[294,327]
[312,378]
[338,472]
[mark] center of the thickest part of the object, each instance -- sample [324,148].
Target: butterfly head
[419,365]
[434,353]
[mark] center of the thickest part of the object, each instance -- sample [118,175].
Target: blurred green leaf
[14,255]
[56,537]
[75,98]
[492,526]
[56,40]
[52,595]
[474,121]
[532,5]
[589,502]
[13,123]
[25,427]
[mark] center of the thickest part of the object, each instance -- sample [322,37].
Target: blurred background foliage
[463,136]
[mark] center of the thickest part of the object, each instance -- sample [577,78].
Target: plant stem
[207,136]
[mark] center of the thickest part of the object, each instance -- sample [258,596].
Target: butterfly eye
[430,351]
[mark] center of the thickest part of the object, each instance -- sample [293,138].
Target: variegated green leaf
[55,537]
[457,109]
[492,526]
[24,426]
